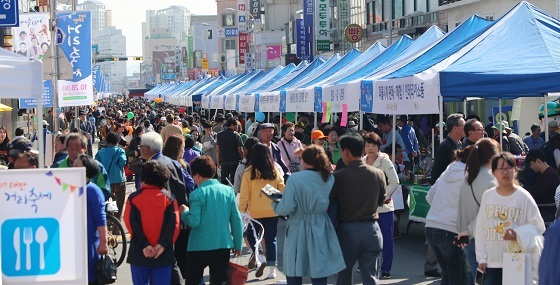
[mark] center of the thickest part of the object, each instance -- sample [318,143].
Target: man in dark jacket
[445,153]
[151,145]
[267,134]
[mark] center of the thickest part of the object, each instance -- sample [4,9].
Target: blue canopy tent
[348,92]
[518,56]
[404,77]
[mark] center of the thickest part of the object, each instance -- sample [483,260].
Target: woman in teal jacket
[311,247]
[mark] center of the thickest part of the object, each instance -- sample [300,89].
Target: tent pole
[40,137]
[268,117]
[546,134]
[465,107]
[441,119]
[361,120]
[54,60]
[501,125]
[315,121]
[280,130]
[433,144]
[394,137]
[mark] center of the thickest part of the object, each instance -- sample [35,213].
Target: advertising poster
[74,38]
[43,233]
[32,39]
[255,9]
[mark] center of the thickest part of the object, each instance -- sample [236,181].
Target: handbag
[516,267]
[106,270]
[294,166]
[238,274]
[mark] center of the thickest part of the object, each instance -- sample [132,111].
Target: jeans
[270,232]
[228,171]
[298,281]
[449,256]
[150,275]
[217,260]
[493,276]
[361,241]
[470,254]
[386,225]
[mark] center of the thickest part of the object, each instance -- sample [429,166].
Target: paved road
[408,264]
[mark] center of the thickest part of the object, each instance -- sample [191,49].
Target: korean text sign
[75,30]
[43,226]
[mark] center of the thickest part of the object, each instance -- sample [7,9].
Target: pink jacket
[287,151]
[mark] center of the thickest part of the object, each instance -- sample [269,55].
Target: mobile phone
[462,240]
[479,280]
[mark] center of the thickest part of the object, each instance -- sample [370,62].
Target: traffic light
[138,58]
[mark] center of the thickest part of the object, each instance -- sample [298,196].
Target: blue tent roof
[286,78]
[451,43]
[389,53]
[294,80]
[517,56]
[344,61]
[288,69]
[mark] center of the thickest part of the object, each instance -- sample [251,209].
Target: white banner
[231,102]
[347,93]
[269,102]
[217,102]
[43,226]
[247,103]
[300,100]
[205,102]
[410,95]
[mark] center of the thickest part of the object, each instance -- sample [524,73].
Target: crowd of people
[188,166]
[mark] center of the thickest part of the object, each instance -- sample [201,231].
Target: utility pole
[54,62]
[76,117]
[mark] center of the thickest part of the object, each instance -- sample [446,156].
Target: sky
[129,15]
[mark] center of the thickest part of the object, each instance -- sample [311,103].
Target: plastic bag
[106,270]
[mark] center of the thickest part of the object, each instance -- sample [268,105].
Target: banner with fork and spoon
[43,234]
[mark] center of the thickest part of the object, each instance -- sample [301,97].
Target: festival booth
[23,78]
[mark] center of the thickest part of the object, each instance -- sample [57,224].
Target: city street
[408,263]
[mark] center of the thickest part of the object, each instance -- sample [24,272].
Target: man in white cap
[515,143]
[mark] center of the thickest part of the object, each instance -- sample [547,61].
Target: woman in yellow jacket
[259,172]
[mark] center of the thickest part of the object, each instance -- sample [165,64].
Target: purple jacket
[190,154]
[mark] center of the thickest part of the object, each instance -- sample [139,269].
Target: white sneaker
[272,272]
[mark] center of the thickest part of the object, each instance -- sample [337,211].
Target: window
[490,17]
[230,44]
[228,20]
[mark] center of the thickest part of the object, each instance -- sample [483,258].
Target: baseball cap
[317,134]
[553,123]
[45,123]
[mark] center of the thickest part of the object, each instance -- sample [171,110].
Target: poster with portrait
[32,38]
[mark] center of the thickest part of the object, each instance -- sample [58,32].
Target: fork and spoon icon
[41,237]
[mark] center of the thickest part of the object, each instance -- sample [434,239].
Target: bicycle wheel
[116,239]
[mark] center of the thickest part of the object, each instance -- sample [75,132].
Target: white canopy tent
[23,78]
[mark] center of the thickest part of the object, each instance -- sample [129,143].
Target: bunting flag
[66,185]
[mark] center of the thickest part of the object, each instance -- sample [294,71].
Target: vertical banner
[309,24]
[344,118]
[255,9]
[366,100]
[190,50]
[242,47]
[43,232]
[322,19]
[74,37]
[242,15]
[95,76]
[301,48]
[318,94]
[32,39]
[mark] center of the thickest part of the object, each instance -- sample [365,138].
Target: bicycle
[116,236]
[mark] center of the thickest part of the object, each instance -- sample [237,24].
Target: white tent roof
[21,77]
